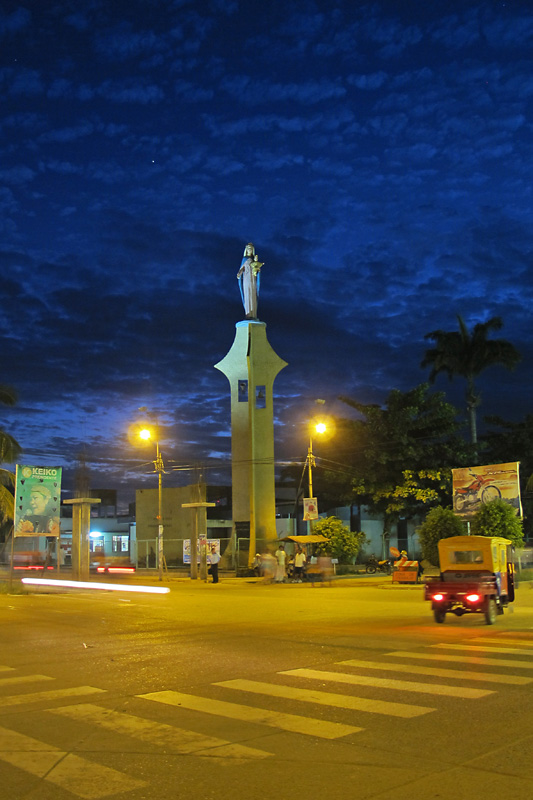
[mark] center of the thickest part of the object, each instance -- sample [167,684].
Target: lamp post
[159,466]
[319,427]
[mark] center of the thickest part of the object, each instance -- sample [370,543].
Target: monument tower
[251,367]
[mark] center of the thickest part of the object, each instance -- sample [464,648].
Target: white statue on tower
[249,278]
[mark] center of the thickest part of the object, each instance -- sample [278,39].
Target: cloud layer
[378,155]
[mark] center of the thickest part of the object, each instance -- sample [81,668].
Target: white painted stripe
[390,683]
[170,737]
[438,672]
[474,647]
[23,679]
[53,694]
[458,659]
[405,710]
[505,641]
[287,722]
[74,774]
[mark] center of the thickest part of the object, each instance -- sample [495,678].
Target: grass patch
[349,569]
[15,588]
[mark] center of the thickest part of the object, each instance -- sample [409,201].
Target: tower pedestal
[251,367]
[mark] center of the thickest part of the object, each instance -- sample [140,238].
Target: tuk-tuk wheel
[439,614]
[491,612]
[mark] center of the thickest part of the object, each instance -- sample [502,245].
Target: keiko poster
[37,501]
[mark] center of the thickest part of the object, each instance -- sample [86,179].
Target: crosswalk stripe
[288,722]
[75,774]
[405,710]
[505,641]
[438,672]
[3,668]
[168,736]
[53,694]
[23,679]
[389,683]
[487,649]
[456,658]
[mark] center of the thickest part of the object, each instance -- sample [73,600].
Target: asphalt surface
[255,690]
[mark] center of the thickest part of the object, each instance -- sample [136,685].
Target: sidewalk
[150,577]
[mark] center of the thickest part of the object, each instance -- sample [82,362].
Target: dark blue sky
[379,156]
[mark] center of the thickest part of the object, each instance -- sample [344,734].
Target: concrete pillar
[251,367]
[81,528]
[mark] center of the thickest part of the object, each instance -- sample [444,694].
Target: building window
[120,544]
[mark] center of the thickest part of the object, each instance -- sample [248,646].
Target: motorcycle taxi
[476,577]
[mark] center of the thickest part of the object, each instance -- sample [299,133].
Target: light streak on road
[109,587]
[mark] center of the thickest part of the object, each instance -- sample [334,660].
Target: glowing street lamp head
[321,427]
[145,434]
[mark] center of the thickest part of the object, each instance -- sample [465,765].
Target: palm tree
[468,354]
[9,452]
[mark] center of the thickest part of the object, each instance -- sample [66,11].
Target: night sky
[378,155]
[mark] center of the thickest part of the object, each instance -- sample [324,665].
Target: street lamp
[159,466]
[311,512]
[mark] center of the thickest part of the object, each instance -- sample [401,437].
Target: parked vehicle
[476,577]
[373,565]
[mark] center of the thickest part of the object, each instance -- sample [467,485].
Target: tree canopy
[467,355]
[9,452]
[407,450]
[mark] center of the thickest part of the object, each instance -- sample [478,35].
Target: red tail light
[473,598]
[438,597]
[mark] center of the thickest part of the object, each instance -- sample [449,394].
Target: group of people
[281,567]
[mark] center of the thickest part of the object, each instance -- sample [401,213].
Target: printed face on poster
[37,501]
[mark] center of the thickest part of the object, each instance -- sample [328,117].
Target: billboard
[37,501]
[474,486]
[207,544]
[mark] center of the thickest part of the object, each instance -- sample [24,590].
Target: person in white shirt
[299,563]
[214,558]
[281,557]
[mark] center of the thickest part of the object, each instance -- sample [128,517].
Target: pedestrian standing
[299,563]
[269,567]
[214,558]
[281,557]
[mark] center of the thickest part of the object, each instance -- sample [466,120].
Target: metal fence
[234,553]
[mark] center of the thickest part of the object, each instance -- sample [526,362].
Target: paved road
[244,689]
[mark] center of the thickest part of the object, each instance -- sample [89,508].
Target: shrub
[342,542]
[498,518]
[440,523]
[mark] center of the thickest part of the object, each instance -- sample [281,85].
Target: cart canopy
[313,538]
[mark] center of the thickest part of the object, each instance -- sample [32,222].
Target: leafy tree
[407,451]
[498,518]
[342,542]
[440,523]
[9,452]
[468,354]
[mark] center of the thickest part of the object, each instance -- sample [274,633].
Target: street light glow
[145,434]
[320,427]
